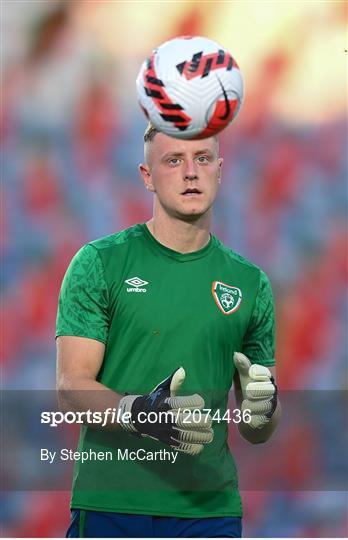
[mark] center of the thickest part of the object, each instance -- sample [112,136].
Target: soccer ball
[227,300]
[190,88]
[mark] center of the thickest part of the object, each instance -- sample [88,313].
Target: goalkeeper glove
[259,390]
[184,432]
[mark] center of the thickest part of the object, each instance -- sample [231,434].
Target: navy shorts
[90,524]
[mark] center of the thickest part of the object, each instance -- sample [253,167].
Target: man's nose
[190,170]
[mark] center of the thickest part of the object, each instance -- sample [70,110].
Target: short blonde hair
[150,132]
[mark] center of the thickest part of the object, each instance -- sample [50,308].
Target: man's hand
[259,391]
[184,432]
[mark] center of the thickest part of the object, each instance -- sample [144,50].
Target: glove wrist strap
[125,406]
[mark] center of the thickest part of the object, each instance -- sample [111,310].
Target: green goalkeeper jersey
[155,310]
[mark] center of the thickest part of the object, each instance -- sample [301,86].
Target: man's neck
[181,236]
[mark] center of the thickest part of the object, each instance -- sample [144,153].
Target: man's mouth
[191,191]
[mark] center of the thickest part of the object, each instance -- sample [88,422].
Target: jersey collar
[181,257]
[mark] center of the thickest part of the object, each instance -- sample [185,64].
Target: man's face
[184,175]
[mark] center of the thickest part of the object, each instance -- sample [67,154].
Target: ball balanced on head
[190,88]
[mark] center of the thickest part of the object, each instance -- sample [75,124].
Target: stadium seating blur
[71,143]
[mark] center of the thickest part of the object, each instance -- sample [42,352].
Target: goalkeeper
[162,318]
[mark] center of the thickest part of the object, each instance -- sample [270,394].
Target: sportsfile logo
[137,285]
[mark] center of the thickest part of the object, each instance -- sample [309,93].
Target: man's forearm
[257,436]
[80,395]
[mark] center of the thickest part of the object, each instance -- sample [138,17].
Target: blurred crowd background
[71,143]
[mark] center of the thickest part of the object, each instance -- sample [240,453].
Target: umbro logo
[137,284]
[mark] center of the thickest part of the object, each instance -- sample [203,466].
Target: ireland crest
[227,297]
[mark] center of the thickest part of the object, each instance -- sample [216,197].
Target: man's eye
[203,159]
[173,161]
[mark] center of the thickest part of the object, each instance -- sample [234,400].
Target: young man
[165,301]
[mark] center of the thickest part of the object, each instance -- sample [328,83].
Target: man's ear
[146,176]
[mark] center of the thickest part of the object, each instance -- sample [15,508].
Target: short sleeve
[259,340]
[83,299]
